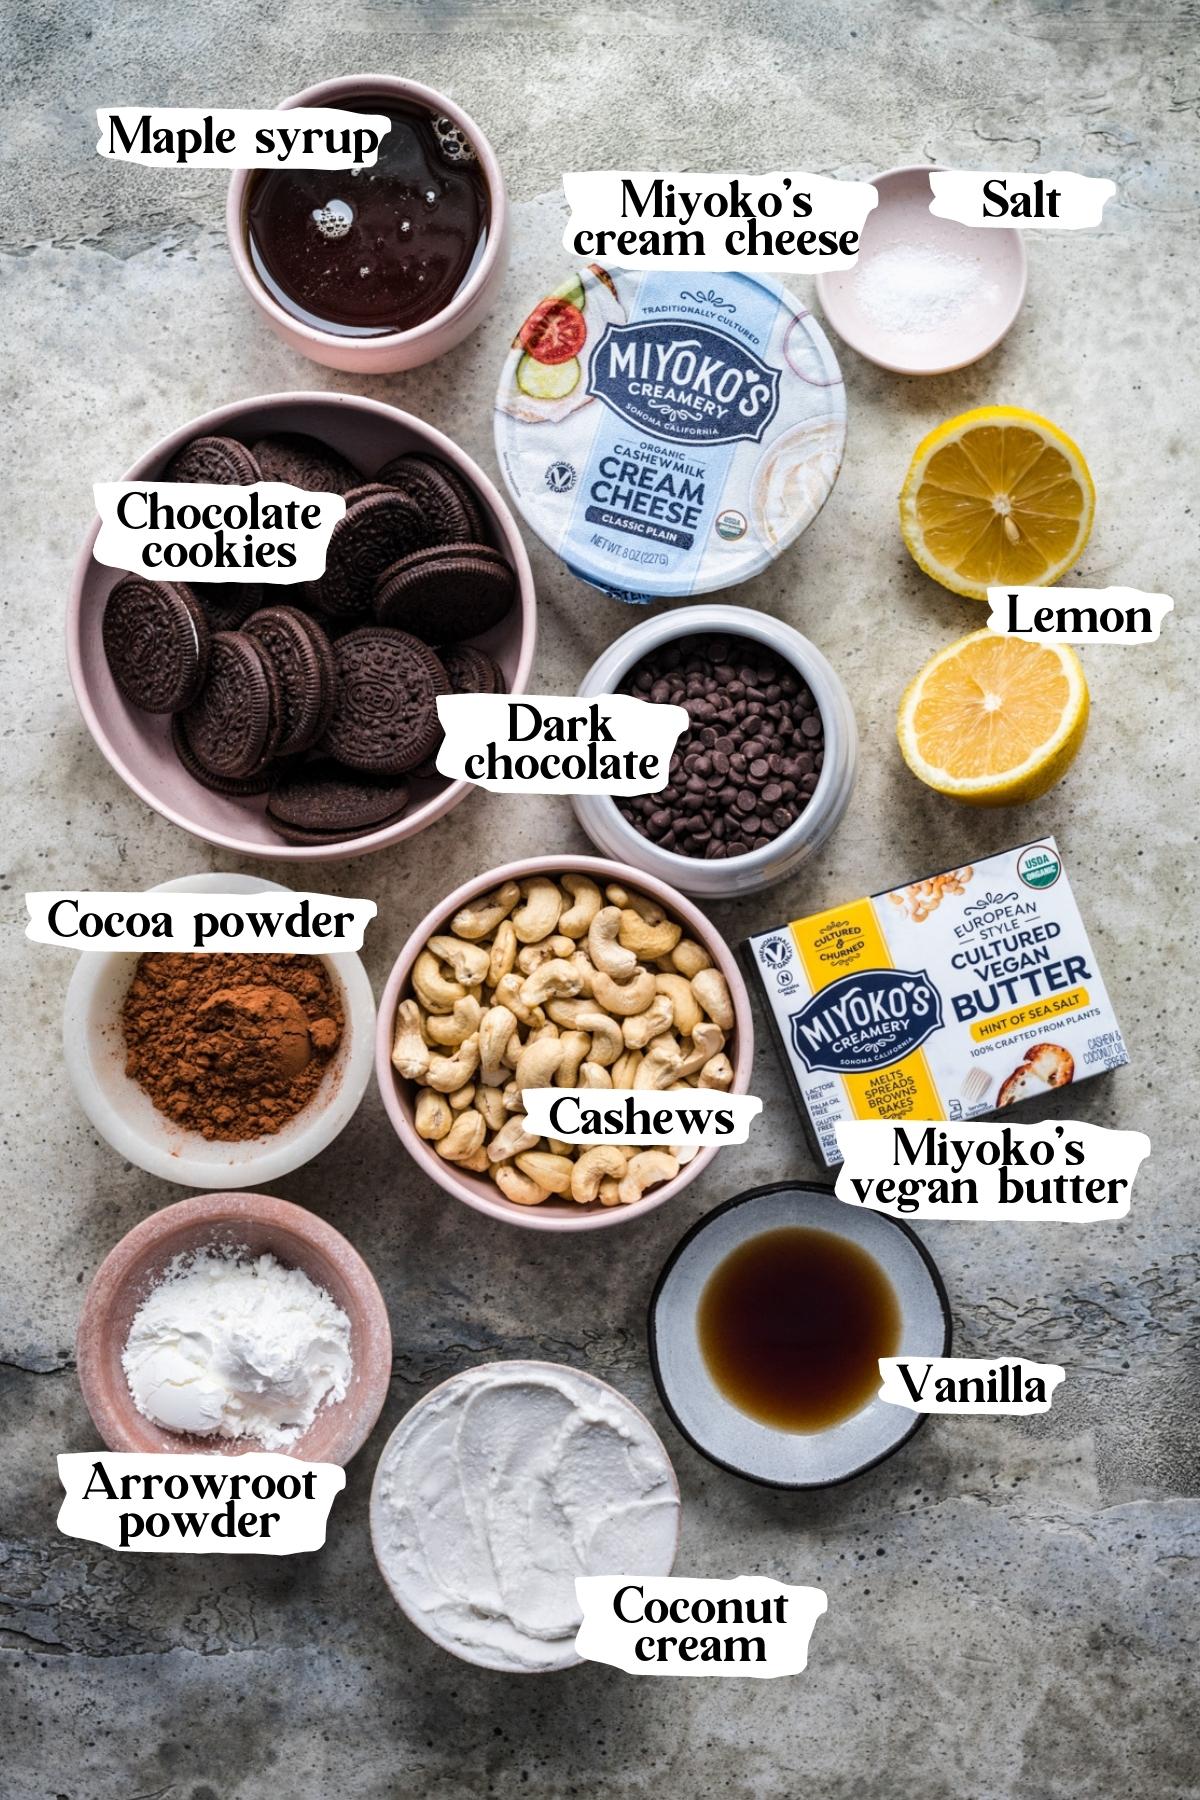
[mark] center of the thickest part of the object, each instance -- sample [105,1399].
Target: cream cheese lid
[669,434]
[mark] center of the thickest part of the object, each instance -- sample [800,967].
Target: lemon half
[994,721]
[996,497]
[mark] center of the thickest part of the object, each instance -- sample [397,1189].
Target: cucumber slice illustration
[572,290]
[547,381]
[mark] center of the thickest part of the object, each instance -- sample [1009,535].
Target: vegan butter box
[946,999]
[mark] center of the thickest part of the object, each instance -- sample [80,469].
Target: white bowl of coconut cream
[498,1489]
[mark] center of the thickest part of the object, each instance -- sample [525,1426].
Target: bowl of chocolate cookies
[298,720]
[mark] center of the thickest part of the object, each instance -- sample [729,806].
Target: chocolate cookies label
[206,531]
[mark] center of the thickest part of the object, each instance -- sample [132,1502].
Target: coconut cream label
[668,434]
[682,1625]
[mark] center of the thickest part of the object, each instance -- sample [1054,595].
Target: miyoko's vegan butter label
[669,434]
[949,998]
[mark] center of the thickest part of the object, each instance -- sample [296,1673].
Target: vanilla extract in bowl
[372,250]
[792,1324]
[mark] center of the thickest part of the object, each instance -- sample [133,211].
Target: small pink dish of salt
[926,295]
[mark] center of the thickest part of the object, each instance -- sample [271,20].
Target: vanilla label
[964,1384]
[206,531]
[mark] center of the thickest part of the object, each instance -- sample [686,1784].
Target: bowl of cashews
[559,971]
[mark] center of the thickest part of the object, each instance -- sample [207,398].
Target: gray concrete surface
[1011,1604]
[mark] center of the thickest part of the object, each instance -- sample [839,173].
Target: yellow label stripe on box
[1036,1013]
[844,942]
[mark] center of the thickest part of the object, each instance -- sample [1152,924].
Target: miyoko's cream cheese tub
[669,434]
[955,996]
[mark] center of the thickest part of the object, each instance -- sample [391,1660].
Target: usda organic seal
[669,436]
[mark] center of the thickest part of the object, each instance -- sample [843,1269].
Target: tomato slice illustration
[554,332]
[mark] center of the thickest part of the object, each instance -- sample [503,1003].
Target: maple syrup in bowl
[381,266]
[766,1328]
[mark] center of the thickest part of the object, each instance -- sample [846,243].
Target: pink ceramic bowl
[399,1095]
[138,744]
[990,263]
[260,1223]
[397,349]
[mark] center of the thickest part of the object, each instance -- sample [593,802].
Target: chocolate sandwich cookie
[450,519]
[448,591]
[373,533]
[243,787]
[157,643]
[419,462]
[228,604]
[233,727]
[385,717]
[305,462]
[301,656]
[322,802]
[217,459]
[470,671]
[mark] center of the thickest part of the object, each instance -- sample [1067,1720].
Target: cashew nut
[507,992]
[511,1095]
[610,1191]
[431,1115]
[490,1102]
[468,962]
[464,1138]
[462,1097]
[607,1042]
[591,1167]
[657,1018]
[448,1073]
[646,1169]
[712,991]
[504,952]
[495,1029]
[410,1053]
[517,1187]
[685,1008]
[538,916]
[646,940]
[538,1063]
[477,1162]
[624,998]
[575,1046]
[511,1139]
[716,1073]
[586,897]
[555,980]
[607,955]
[707,1041]
[594,1075]
[479,918]
[626,1069]
[532,956]
[568,1013]
[550,1172]
[451,1028]
[616,895]
[689,957]
[436,994]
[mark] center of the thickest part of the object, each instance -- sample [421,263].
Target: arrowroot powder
[229,1345]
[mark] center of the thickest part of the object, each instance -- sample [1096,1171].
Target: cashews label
[300,924]
[1053,201]
[1059,1170]
[681,1625]
[254,1505]
[1115,615]
[777,222]
[559,744]
[967,1384]
[636,1116]
[299,137]
[208,531]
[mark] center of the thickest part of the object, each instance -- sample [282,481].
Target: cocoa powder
[230,1046]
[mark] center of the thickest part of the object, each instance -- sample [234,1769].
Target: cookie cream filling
[499,1489]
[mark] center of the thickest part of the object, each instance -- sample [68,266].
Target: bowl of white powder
[234,1322]
[926,295]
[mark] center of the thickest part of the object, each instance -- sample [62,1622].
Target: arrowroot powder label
[669,434]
